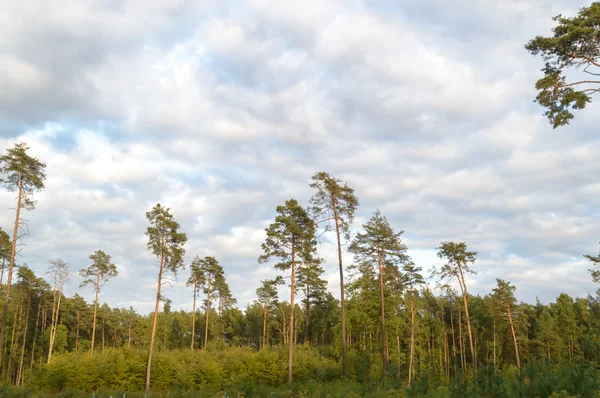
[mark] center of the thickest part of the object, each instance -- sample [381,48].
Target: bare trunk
[53,330]
[342,299]
[207,312]
[381,287]
[77,333]
[19,372]
[512,328]
[412,340]
[13,342]
[37,319]
[464,289]
[264,342]
[291,339]
[2,273]
[10,270]
[160,271]
[494,347]
[194,316]
[306,315]
[95,314]
[463,361]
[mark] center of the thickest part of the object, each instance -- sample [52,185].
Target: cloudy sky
[222,110]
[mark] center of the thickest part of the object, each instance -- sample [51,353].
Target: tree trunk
[95,313]
[306,315]
[464,289]
[2,273]
[381,287]
[13,341]
[37,319]
[412,340]
[53,330]
[264,339]
[19,372]
[77,333]
[291,339]
[129,336]
[160,271]
[10,270]
[207,312]
[512,328]
[103,327]
[342,300]
[463,361]
[194,316]
[494,347]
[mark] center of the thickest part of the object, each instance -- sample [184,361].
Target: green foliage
[575,45]
[22,173]
[164,238]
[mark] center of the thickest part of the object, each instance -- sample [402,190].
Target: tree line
[386,308]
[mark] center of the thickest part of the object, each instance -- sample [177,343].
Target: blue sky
[222,112]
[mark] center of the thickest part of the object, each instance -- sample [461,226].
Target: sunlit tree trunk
[19,372]
[207,312]
[94,322]
[154,321]
[10,270]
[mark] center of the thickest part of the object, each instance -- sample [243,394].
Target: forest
[397,329]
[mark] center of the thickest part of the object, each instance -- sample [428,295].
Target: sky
[222,110]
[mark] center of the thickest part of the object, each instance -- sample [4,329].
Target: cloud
[223,111]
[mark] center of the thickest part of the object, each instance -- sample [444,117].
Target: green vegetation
[389,335]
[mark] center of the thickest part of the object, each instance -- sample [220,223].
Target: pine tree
[458,261]
[337,203]
[166,242]
[98,273]
[59,272]
[412,279]
[268,298]
[5,250]
[25,175]
[310,282]
[290,239]
[207,273]
[380,247]
[504,297]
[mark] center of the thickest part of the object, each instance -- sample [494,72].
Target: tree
[504,297]
[457,265]
[59,273]
[98,273]
[31,283]
[23,174]
[574,47]
[195,280]
[546,331]
[337,203]
[566,317]
[5,250]
[207,273]
[412,280]
[290,239]
[379,246]
[225,299]
[267,296]
[166,242]
[310,281]
[595,272]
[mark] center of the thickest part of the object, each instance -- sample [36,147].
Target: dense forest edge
[396,330]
